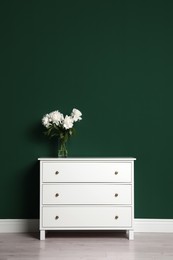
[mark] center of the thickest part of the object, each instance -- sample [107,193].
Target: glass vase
[62,150]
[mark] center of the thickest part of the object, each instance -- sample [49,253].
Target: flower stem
[62,150]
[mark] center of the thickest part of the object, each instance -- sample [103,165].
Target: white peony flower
[68,122]
[56,117]
[76,114]
[45,121]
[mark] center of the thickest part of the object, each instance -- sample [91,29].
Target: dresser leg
[42,234]
[130,234]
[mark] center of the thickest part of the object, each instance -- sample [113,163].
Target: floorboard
[86,246]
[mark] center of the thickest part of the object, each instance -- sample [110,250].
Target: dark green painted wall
[113,60]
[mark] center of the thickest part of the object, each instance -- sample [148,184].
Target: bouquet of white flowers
[61,126]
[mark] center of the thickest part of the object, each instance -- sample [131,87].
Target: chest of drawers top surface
[99,159]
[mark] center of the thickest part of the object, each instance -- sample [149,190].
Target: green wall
[113,60]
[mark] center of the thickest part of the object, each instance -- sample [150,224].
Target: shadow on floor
[81,234]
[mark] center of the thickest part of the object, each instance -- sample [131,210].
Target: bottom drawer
[86,216]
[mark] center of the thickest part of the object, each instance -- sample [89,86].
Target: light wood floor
[86,246]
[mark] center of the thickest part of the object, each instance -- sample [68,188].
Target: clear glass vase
[62,150]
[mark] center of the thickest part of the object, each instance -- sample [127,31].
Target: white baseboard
[153,225]
[32,225]
[18,225]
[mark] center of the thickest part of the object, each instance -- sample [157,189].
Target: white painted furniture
[86,194]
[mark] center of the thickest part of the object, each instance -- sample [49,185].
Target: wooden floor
[86,245]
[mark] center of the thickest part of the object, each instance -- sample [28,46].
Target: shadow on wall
[31,191]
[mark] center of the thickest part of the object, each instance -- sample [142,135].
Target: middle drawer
[87,194]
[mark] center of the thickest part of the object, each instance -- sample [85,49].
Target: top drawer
[86,172]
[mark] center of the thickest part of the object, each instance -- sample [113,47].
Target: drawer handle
[116,217]
[57,172]
[57,217]
[116,194]
[116,172]
[57,194]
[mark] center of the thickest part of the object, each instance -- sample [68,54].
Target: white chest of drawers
[86,194]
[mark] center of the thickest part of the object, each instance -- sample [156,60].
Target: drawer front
[86,216]
[86,194]
[86,172]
